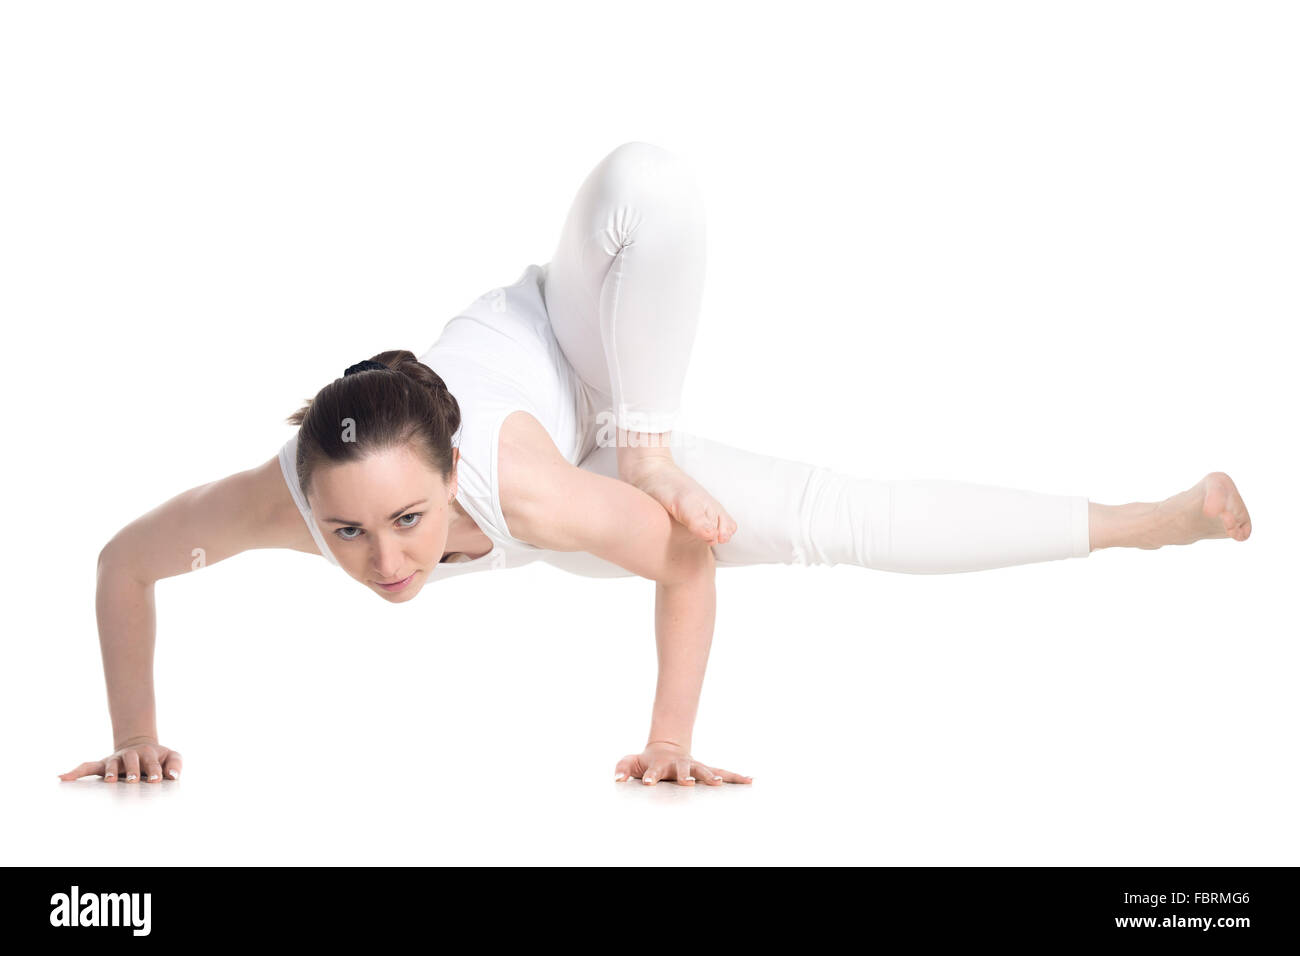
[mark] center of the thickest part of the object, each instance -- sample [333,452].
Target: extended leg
[792,512]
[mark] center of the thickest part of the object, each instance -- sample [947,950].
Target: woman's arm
[247,510]
[551,504]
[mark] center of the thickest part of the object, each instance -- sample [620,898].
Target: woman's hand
[664,761]
[142,760]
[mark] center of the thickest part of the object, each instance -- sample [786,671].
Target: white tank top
[497,356]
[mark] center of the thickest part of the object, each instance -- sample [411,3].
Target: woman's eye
[348,537]
[414,514]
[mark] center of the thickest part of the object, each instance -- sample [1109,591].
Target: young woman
[542,426]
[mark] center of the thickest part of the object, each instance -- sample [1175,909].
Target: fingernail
[716,777]
[153,777]
[174,774]
[130,776]
[618,776]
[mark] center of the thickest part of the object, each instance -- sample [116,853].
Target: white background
[1037,245]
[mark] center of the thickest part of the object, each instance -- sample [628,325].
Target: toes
[704,524]
[715,525]
[701,528]
[697,523]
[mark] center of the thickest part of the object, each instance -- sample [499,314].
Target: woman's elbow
[110,555]
[118,560]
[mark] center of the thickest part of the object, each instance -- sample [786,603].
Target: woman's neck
[464,535]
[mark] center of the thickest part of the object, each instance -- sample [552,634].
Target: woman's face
[385,518]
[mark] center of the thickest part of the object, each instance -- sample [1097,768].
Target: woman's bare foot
[655,473]
[1210,509]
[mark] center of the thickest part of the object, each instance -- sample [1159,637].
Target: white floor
[1005,717]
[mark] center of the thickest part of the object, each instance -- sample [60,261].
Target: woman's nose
[386,558]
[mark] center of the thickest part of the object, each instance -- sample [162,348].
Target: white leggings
[623,294]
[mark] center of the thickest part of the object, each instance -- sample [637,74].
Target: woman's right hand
[144,760]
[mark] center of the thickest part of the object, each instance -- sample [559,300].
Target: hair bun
[365,366]
[413,407]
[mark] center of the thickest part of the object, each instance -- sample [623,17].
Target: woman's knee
[638,168]
[642,153]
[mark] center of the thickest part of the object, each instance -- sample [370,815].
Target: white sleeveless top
[497,356]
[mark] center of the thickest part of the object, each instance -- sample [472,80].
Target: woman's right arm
[247,510]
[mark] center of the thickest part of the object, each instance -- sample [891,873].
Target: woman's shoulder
[528,462]
[525,440]
[280,476]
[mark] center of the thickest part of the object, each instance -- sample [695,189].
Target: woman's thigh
[624,287]
[795,512]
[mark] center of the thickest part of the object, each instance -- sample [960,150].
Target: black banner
[1225,907]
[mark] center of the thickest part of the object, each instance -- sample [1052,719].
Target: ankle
[1135,525]
[639,450]
[643,441]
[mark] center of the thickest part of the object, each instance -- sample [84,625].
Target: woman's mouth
[397,585]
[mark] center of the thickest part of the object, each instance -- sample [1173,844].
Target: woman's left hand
[664,761]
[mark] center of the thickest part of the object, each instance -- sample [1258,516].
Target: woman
[541,426]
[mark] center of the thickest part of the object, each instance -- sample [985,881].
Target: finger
[654,774]
[112,769]
[729,777]
[626,768]
[90,768]
[152,769]
[132,761]
[682,768]
[707,774]
[172,765]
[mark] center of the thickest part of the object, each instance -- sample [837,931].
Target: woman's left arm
[554,505]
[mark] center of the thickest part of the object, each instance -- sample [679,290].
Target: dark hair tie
[365,366]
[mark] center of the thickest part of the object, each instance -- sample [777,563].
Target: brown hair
[406,403]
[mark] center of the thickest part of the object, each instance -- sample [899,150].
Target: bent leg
[624,287]
[792,512]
